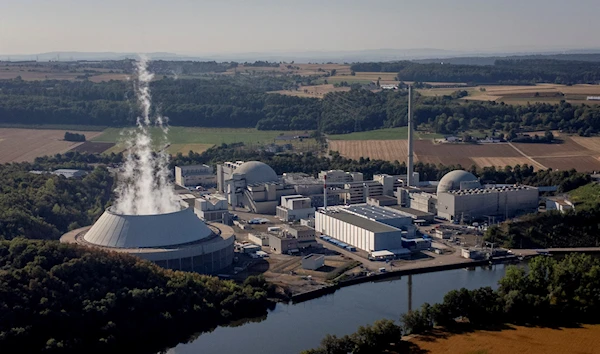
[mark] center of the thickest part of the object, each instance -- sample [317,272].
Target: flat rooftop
[373,212]
[361,222]
[503,189]
[314,256]
[410,211]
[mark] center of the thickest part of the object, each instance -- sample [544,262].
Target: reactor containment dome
[178,240]
[453,180]
[257,172]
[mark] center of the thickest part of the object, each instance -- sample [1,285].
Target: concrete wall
[475,205]
[345,232]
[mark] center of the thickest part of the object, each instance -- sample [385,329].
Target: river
[293,328]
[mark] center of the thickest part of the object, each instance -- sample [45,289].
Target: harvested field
[515,339]
[93,147]
[580,163]
[591,143]
[375,149]
[18,145]
[567,148]
[582,154]
[317,91]
[504,161]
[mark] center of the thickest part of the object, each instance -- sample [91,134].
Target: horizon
[268,26]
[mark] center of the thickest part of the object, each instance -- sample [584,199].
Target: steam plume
[144,187]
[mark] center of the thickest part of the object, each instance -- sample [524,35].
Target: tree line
[59,298]
[504,71]
[244,101]
[550,293]
[74,136]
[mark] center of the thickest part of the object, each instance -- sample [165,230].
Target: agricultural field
[17,145]
[513,339]
[384,134]
[30,73]
[295,69]
[184,139]
[582,154]
[519,94]
[315,91]
[93,147]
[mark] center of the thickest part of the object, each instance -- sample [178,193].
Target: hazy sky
[203,26]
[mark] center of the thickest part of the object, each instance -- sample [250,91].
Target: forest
[504,71]
[550,293]
[244,101]
[59,298]
[45,206]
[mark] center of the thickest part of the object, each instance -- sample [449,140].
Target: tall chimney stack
[325,192]
[409,163]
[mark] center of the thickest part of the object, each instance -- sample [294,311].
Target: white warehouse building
[366,227]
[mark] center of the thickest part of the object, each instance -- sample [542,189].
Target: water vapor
[144,187]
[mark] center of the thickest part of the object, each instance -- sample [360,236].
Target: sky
[228,26]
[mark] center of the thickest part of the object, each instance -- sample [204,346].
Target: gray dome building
[454,179]
[257,172]
[178,240]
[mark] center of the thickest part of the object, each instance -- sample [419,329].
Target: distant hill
[425,55]
[592,57]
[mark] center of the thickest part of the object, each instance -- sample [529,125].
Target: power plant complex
[375,216]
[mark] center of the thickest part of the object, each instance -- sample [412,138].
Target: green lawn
[186,135]
[384,134]
[586,196]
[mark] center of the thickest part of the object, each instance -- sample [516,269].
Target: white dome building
[457,179]
[251,185]
[256,172]
[178,240]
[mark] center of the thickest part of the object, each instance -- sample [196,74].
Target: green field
[585,196]
[69,127]
[184,139]
[384,134]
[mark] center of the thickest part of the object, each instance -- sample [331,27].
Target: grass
[212,136]
[93,128]
[384,134]
[586,196]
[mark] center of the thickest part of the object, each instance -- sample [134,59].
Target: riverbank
[409,269]
[510,340]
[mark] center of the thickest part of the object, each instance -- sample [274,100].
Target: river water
[293,328]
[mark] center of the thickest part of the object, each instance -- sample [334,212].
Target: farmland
[519,94]
[582,154]
[18,145]
[184,139]
[384,134]
[514,339]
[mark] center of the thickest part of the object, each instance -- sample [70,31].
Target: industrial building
[460,196]
[178,240]
[252,185]
[313,261]
[295,207]
[213,207]
[195,175]
[368,228]
[339,176]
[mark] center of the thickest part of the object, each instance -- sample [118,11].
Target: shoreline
[326,290]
